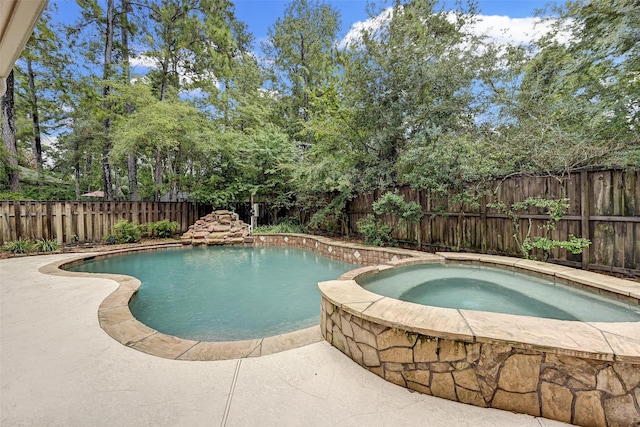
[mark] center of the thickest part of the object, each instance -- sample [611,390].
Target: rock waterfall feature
[220,227]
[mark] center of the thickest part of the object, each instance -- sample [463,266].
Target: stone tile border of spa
[583,373]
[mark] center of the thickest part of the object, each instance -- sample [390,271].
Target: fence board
[63,221]
[604,206]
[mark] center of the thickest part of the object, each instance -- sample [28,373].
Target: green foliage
[46,245]
[331,216]
[125,232]
[375,232]
[574,245]
[415,100]
[555,209]
[160,229]
[165,228]
[19,246]
[280,228]
[301,44]
[393,205]
[110,239]
[284,225]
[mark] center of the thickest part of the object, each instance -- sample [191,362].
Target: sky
[259,15]
[513,16]
[503,20]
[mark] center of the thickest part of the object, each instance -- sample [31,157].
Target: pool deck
[58,367]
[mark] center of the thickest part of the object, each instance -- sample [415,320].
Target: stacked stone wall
[586,392]
[354,254]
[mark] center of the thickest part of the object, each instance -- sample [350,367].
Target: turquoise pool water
[497,290]
[224,293]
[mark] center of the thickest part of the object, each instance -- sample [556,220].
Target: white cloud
[506,30]
[185,76]
[142,61]
[502,30]
[370,25]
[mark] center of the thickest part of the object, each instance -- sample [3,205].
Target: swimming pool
[498,290]
[223,293]
[570,371]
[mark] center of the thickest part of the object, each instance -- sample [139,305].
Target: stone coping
[116,320]
[346,245]
[609,341]
[604,341]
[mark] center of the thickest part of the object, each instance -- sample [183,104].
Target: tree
[126,29]
[412,82]
[172,128]
[99,49]
[393,206]
[42,83]
[192,43]
[301,44]
[9,134]
[571,100]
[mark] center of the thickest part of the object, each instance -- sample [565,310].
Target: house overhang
[17,21]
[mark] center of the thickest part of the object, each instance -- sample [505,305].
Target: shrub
[19,246]
[126,232]
[283,227]
[46,245]
[375,233]
[110,239]
[164,228]
[555,209]
[146,229]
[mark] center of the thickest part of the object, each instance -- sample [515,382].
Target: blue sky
[504,21]
[259,15]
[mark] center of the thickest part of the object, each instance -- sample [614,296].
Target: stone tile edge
[137,332]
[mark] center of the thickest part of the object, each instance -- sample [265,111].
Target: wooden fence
[68,221]
[604,207]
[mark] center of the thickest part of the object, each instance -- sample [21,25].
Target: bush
[283,227]
[392,204]
[146,229]
[19,246]
[555,209]
[45,245]
[110,239]
[375,233]
[164,228]
[126,232]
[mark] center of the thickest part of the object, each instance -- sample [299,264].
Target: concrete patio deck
[58,367]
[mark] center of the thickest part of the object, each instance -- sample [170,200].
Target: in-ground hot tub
[586,373]
[498,290]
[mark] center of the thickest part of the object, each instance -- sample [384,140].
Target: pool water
[497,290]
[224,293]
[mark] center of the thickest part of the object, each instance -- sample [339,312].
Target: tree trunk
[108,49]
[132,160]
[36,145]
[9,134]
[132,172]
[165,76]
[157,172]
[157,175]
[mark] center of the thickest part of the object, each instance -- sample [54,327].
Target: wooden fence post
[483,225]
[584,216]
